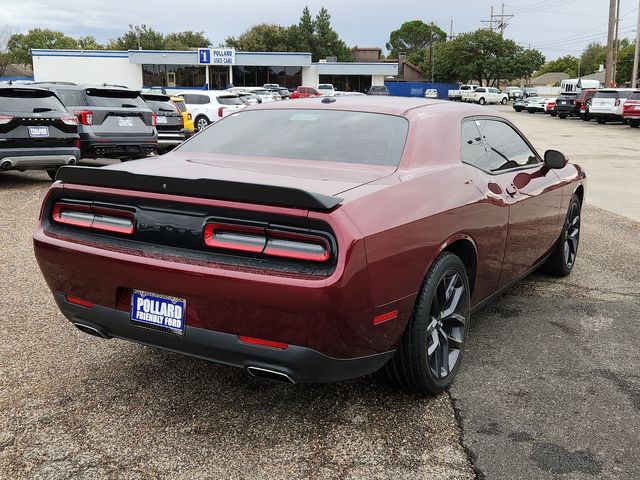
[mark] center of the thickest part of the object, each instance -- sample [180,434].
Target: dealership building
[206,68]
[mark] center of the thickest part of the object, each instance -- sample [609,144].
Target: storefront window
[173,76]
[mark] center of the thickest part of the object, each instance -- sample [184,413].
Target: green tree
[327,41]
[20,45]
[89,43]
[567,64]
[592,56]
[143,37]
[6,57]
[186,40]
[264,37]
[302,35]
[624,68]
[413,38]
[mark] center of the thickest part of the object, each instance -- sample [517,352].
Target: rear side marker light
[79,301]
[263,343]
[4,120]
[273,243]
[385,317]
[95,218]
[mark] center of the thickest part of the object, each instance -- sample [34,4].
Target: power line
[498,22]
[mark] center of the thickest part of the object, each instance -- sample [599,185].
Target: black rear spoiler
[201,187]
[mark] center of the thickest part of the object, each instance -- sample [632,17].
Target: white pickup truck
[457,94]
[483,95]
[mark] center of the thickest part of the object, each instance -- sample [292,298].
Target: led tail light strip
[95,218]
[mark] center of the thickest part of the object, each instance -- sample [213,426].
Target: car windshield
[25,101]
[115,98]
[347,137]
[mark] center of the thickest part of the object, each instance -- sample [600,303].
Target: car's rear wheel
[52,173]
[563,257]
[503,101]
[430,351]
[634,123]
[531,111]
[585,117]
[601,120]
[202,122]
[562,116]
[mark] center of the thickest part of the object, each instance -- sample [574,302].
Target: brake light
[220,111]
[85,117]
[154,119]
[69,120]
[273,243]
[95,218]
[263,343]
[4,120]
[78,143]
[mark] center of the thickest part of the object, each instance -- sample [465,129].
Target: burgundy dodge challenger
[313,241]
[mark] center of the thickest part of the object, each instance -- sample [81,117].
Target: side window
[505,147]
[472,149]
[203,99]
[188,99]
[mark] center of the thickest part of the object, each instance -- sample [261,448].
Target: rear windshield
[230,100]
[70,97]
[115,98]
[634,96]
[161,106]
[26,101]
[606,95]
[568,96]
[181,106]
[325,135]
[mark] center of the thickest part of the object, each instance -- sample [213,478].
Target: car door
[533,192]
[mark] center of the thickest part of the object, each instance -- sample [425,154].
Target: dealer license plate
[161,119]
[125,122]
[159,312]
[38,131]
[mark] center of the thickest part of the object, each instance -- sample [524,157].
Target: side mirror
[554,159]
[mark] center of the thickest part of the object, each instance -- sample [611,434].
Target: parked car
[529,92]
[550,107]
[513,92]
[583,100]
[269,86]
[520,103]
[284,93]
[36,130]
[249,98]
[305,92]
[169,121]
[456,94]
[537,104]
[378,90]
[569,104]
[187,118]
[209,106]
[326,89]
[631,109]
[607,104]
[312,261]
[275,93]
[114,121]
[484,95]
[263,94]
[430,93]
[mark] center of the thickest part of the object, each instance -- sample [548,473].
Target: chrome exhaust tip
[270,375]
[90,330]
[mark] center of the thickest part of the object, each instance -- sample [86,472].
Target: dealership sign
[216,56]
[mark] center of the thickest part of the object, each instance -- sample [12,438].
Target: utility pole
[610,43]
[616,45]
[451,30]
[636,56]
[498,22]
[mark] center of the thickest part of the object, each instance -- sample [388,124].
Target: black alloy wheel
[563,256]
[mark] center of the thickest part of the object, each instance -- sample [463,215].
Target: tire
[52,173]
[562,116]
[503,101]
[634,123]
[482,101]
[553,114]
[565,251]
[531,111]
[600,120]
[519,109]
[201,123]
[431,339]
[585,117]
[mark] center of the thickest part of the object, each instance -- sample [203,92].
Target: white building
[203,68]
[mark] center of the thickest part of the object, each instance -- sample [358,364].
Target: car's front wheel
[503,101]
[202,122]
[430,351]
[634,123]
[482,101]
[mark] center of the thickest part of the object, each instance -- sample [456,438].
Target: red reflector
[220,112]
[263,343]
[79,301]
[385,317]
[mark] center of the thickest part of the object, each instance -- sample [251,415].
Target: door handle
[511,190]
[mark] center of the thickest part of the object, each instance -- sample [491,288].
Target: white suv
[326,89]
[607,104]
[209,106]
[483,95]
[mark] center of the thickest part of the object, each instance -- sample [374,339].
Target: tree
[142,37]
[624,67]
[327,42]
[592,56]
[20,45]
[186,40]
[567,64]
[264,37]
[6,57]
[414,37]
[302,36]
[89,43]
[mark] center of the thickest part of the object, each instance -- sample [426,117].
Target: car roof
[209,93]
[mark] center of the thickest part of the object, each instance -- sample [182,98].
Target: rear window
[181,106]
[115,99]
[324,135]
[634,96]
[160,106]
[71,98]
[230,100]
[567,96]
[606,95]
[29,101]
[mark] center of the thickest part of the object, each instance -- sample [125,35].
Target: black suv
[36,131]
[570,104]
[169,121]
[114,121]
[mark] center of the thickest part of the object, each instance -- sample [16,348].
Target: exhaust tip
[90,330]
[270,375]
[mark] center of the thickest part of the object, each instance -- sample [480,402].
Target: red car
[631,109]
[319,260]
[305,92]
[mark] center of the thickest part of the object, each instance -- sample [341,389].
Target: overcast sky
[556,27]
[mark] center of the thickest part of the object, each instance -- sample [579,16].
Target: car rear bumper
[300,364]
[170,138]
[37,158]
[567,110]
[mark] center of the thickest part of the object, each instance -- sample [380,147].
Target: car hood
[327,178]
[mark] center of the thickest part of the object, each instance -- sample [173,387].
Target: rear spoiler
[201,187]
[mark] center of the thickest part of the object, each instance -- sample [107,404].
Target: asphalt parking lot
[549,387]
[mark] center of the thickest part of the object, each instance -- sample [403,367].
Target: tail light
[220,111]
[154,119]
[307,246]
[4,120]
[78,143]
[94,218]
[69,120]
[85,117]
